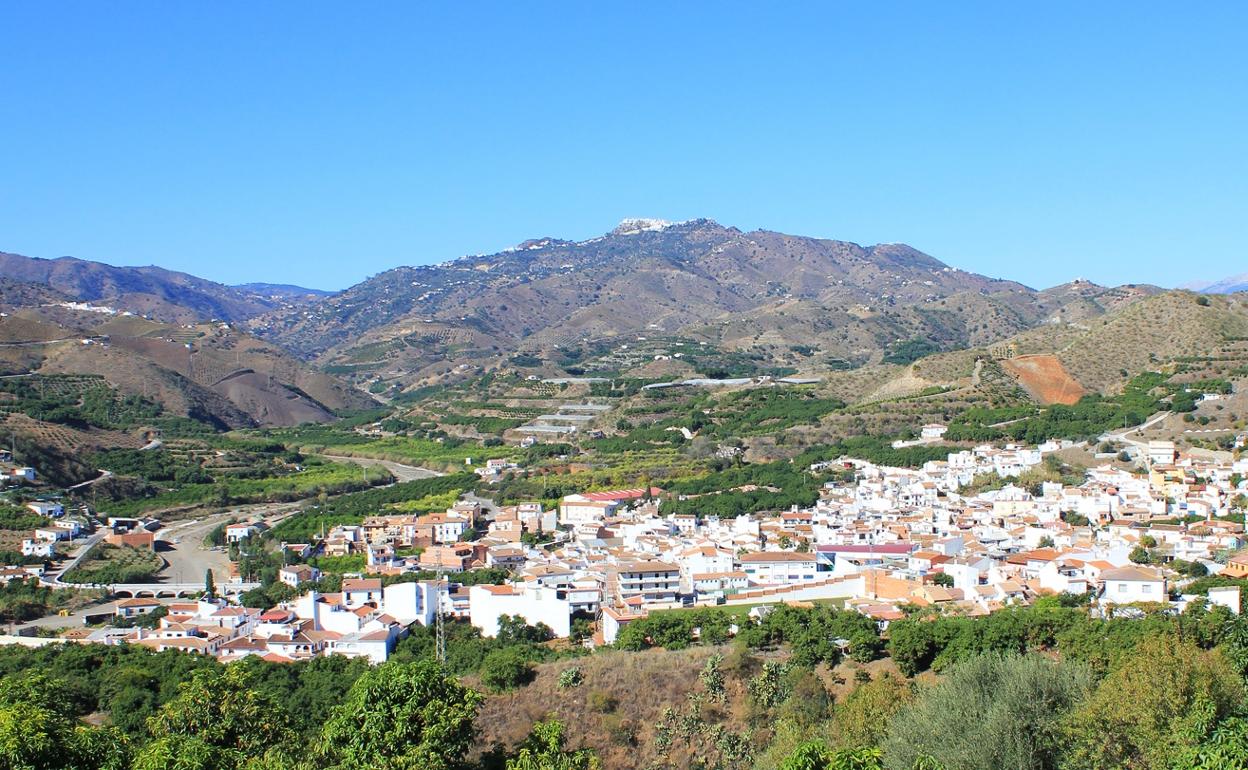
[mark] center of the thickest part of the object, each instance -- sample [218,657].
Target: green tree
[861,720]
[210,584]
[506,669]
[1223,745]
[817,755]
[544,749]
[39,732]
[1142,715]
[1016,704]
[218,721]
[401,716]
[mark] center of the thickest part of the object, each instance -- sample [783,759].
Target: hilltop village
[967,535]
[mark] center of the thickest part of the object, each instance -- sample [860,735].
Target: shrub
[621,731]
[1016,703]
[712,678]
[601,701]
[506,669]
[570,677]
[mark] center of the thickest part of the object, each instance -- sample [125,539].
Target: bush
[571,677]
[1016,703]
[621,731]
[601,701]
[506,669]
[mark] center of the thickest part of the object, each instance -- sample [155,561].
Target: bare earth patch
[1045,379]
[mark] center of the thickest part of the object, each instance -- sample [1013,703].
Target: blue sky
[321,143]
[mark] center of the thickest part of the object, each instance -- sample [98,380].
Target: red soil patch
[1045,379]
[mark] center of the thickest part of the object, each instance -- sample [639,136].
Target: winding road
[411,473]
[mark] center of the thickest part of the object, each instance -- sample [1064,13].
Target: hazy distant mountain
[155,291]
[761,291]
[1229,285]
[282,291]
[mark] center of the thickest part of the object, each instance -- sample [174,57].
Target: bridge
[166,590]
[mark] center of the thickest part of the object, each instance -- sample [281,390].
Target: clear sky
[320,143]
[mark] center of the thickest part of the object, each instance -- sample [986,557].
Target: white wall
[1128,591]
[535,604]
[410,602]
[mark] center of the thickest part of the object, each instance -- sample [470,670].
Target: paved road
[412,472]
[401,472]
[55,580]
[103,475]
[1150,422]
[76,620]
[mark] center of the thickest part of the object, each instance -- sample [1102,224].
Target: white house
[411,602]
[1133,583]
[375,645]
[1161,452]
[933,431]
[360,591]
[535,603]
[40,548]
[297,574]
[654,581]
[779,567]
[43,508]
[237,532]
[129,608]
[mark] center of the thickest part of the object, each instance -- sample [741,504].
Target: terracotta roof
[137,602]
[772,557]
[1140,574]
[620,494]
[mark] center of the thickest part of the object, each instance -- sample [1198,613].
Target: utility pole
[439,623]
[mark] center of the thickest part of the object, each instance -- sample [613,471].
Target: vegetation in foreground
[1045,687]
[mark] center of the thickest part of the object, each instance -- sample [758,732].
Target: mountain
[1234,283]
[153,291]
[284,291]
[774,298]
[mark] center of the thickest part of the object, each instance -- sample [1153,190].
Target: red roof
[621,494]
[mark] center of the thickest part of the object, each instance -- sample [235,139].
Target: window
[1147,588]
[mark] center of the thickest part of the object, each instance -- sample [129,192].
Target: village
[879,540]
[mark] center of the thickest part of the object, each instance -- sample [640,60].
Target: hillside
[154,291]
[1187,335]
[782,300]
[15,294]
[208,372]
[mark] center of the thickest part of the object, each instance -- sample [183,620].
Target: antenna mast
[439,623]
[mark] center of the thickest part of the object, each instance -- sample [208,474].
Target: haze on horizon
[318,147]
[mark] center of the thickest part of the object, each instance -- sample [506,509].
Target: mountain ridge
[741,291]
[167,295]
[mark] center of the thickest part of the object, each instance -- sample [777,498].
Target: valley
[785,488]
